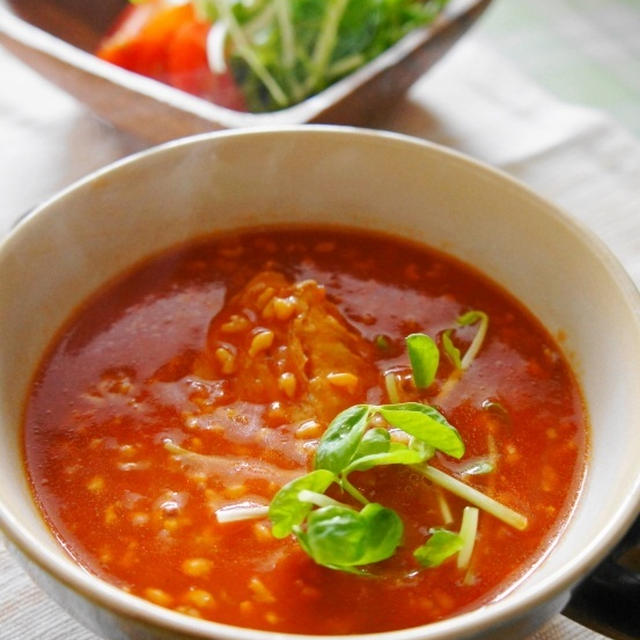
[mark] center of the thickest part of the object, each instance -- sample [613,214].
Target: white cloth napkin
[47,140]
[473,101]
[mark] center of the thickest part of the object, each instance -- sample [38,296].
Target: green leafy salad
[283,51]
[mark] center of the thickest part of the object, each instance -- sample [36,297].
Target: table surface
[583,51]
[548,91]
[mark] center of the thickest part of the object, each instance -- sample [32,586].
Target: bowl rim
[513,605]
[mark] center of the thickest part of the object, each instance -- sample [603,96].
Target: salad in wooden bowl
[259,56]
[190,67]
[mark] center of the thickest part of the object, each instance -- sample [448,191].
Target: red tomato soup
[180,399]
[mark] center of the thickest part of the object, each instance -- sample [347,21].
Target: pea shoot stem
[471,317]
[352,491]
[245,50]
[326,41]
[468,532]
[477,341]
[475,497]
[319,499]
[391,385]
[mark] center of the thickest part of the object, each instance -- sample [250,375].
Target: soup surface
[201,382]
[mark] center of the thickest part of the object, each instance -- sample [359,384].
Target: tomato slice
[142,35]
[189,69]
[167,42]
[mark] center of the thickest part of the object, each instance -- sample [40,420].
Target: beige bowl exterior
[197,186]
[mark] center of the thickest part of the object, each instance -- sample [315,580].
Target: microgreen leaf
[397,454]
[424,357]
[302,538]
[451,350]
[341,439]
[442,544]
[425,450]
[286,510]
[384,532]
[426,424]
[340,538]
[374,441]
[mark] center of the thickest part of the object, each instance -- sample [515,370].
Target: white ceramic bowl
[137,207]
